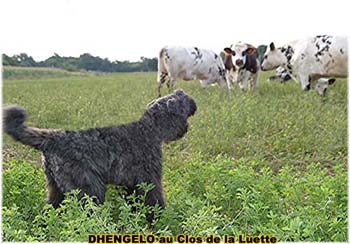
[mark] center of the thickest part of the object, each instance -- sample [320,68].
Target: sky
[129,29]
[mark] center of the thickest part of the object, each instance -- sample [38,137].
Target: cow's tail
[14,124]
[162,71]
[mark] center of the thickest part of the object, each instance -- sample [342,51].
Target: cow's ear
[331,81]
[272,46]
[250,50]
[229,51]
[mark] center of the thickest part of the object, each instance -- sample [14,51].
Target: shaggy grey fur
[124,155]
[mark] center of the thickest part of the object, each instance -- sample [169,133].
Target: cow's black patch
[322,43]
[322,51]
[166,54]
[317,58]
[288,52]
[326,39]
[197,55]
[221,71]
[323,38]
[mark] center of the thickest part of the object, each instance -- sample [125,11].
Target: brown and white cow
[190,63]
[241,63]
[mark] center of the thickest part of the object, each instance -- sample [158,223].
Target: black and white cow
[243,57]
[190,63]
[310,59]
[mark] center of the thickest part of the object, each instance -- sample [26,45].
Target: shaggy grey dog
[124,155]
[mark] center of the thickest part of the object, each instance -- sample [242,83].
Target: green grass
[273,161]
[15,72]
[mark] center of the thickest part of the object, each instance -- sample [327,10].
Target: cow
[308,60]
[244,58]
[190,63]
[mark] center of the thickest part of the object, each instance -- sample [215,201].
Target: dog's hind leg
[96,191]
[153,197]
[54,195]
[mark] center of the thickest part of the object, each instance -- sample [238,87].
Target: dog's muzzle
[192,107]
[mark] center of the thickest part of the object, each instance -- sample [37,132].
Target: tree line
[89,62]
[85,61]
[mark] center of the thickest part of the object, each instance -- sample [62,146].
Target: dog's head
[170,113]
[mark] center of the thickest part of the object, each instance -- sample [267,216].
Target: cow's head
[242,53]
[273,58]
[322,85]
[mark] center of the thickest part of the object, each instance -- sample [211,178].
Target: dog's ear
[151,103]
[174,106]
[179,93]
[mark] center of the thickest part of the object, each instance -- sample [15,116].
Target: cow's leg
[171,84]
[234,77]
[204,83]
[243,82]
[223,84]
[254,81]
[161,81]
[229,79]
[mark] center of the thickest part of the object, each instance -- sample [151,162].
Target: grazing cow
[244,57]
[281,74]
[310,59]
[190,64]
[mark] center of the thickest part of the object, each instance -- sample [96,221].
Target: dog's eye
[243,53]
[265,57]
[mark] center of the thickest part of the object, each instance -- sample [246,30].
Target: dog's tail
[14,125]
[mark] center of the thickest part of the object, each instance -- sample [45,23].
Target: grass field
[273,161]
[16,72]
